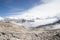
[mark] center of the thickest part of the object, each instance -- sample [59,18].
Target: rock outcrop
[10,31]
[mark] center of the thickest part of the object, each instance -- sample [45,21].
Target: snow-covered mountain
[46,13]
[31,23]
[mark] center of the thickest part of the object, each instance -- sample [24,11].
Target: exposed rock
[13,32]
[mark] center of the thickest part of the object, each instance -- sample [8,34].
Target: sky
[12,7]
[46,9]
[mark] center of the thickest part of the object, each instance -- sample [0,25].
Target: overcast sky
[12,7]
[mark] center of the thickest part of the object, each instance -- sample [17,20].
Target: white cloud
[45,10]
[50,8]
[1,18]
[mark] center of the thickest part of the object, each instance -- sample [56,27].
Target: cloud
[47,1]
[49,8]
[1,18]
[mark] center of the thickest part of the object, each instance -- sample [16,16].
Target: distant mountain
[47,13]
[30,23]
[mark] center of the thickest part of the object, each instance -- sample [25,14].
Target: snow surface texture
[46,13]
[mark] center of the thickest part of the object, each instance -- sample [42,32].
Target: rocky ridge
[10,31]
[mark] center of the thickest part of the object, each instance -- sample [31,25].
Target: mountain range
[44,14]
